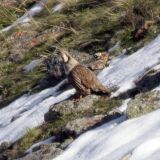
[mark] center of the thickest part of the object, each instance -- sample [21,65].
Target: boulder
[143,104]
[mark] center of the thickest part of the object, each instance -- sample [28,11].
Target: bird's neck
[71,64]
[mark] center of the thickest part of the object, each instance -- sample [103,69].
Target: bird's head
[65,55]
[69,61]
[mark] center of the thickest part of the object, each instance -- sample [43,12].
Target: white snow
[47,141]
[58,7]
[139,136]
[124,106]
[125,72]
[111,141]
[28,112]
[151,148]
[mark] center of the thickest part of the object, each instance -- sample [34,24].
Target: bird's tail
[104,89]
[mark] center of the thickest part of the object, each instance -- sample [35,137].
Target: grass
[91,26]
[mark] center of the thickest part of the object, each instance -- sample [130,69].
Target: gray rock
[32,65]
[78,126]
[55,67]
[70,106]
[46,152]
[15,57]
[143,103]
[20,43]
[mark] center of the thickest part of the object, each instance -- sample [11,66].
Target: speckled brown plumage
[85,81]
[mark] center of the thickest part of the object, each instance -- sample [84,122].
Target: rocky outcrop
[143,103]
[69,106]
[45,152]
[80,125]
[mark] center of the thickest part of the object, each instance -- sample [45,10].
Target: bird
[81,78]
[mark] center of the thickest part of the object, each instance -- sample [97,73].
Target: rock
[20,42]
[101,62]
[143,103]
[66,143]
[78,126]
[15,57]
[82,57]
[32,65]
[127,157]
[3,157]
[46,152]
[8,3]
[98,65]
[70,106]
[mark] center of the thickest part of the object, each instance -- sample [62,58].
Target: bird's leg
[83,94]
[76,100]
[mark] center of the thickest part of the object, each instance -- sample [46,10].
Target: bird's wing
[84,77]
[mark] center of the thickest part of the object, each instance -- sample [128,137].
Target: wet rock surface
[20,43]
[80,118]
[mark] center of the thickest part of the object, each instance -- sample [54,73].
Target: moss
[103,105]
[31,136]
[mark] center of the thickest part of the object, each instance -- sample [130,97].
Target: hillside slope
[29,90]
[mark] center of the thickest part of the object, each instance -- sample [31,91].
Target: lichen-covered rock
[55,67]
[70,106]
[45,152]
[78,126]
[143,103]
[20,43]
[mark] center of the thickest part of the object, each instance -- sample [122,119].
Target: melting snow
[112,140]
[28,112]
[140,137]
[125,72]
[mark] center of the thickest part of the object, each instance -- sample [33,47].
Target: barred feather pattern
[85,81]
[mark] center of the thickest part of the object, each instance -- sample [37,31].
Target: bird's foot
[78,98]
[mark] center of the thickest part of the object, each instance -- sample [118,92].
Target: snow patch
[125,71]
[113,142]
[28,112]
[47,141]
